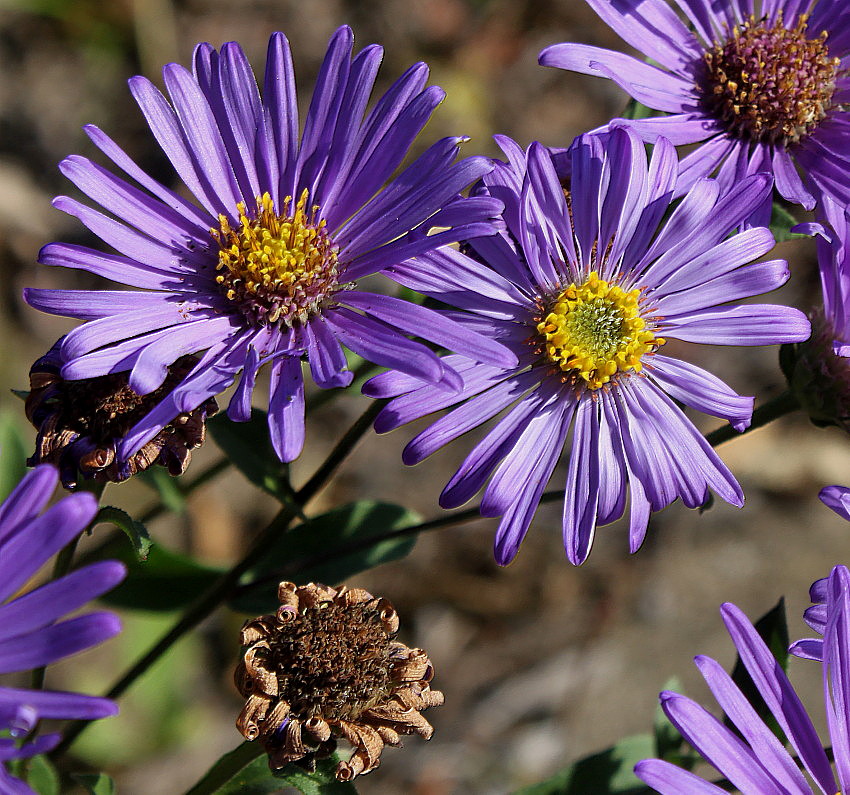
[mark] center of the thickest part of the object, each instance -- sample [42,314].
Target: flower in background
[587,288]
[838,499]
[818,370]
[80,424]
[752,758]
[265,269]
[327,665]
[761,90]
[30,636]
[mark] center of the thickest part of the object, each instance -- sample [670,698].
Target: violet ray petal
[549,194]
[751,324]
[239,408]
[836,671]
[788,182]
[325,355]
[26,500]
[639,512]
[25,552]
[761,739]
[499,255]
[279,98]
[518,467]
[721,747]
[667,779]
[680,129]
[50,602]
[203,137]
[165,127]
[586,161]
[60,705]
[132,206]
[123,239]
[189,211]
[779,696]
[94,304]
[661,99]
[151,367]
[486,455]
[482,406]
[612,468]
[838,499]
[46,645]
[701,390]
[703,161]
[456,279]
[213,373]
[581,494]
[807,649]
[383,345]
[516,520]
[286,407]
[9,749]
[755,279]
[431,326]
[393,383]
[110,266]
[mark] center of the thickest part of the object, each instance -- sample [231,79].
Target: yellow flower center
[278,268]
[595,330]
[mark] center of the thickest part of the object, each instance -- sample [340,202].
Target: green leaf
[42,776]
[248,446]
[135,531]
[635,110]
[772,627]
[245,771]
[13,453]
[165,581]
[166,487]
[781,222]
[95,783]
[605,773]
[329,548]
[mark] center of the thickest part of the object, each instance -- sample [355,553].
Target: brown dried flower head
[81,423]
[325,666]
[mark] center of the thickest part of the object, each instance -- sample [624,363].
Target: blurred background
[541,663]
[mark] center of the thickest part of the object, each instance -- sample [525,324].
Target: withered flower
[327,665]
[81,423]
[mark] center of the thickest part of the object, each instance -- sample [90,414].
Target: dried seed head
[81,423]
[326,666]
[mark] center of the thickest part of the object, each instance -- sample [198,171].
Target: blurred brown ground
[541,663]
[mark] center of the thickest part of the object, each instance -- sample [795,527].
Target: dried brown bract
[81,423]
[326,666]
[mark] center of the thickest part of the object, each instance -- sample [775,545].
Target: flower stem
[227,583]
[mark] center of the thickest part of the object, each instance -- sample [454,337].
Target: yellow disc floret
[279,268]
[595,330]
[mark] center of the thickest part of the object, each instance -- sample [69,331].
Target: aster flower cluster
[558,292]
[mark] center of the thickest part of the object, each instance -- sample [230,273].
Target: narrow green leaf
[248,446]
[609,772]
[165,581]
[166,487]
[245,771]
[95,783]
[636,110]
[13,452]
[42,776]
[317,551]
[134,530]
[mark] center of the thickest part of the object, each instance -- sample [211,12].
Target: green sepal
[317,551]
[95,783]
[133,529]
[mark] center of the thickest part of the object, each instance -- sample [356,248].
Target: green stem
[227,583]
[777,407]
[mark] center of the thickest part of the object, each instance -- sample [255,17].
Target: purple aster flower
[586,288]
[753,759]
[818,370]
[838,499]
[763,86]
[265,268]
[30,636]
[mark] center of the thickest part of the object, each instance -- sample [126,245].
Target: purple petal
[286,407]
[581,496]
[668,779]
[838,499]
[26,500]
[752,324]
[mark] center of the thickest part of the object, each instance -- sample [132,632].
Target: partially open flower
[327,665]
[81,423]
